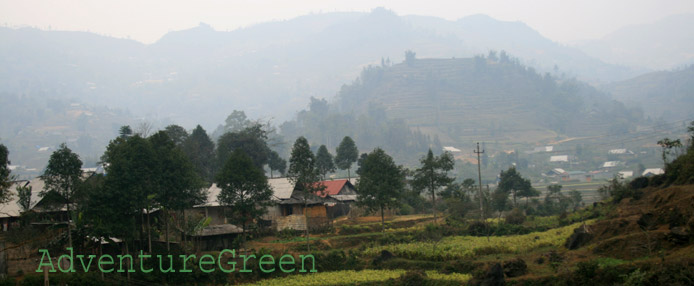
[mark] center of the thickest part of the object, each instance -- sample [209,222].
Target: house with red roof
[341,194]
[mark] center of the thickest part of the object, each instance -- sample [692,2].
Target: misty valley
[388,149]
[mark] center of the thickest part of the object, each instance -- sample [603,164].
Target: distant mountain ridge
[668,95]
[269,70]
[662,45]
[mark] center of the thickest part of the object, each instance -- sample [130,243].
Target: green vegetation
[466,247]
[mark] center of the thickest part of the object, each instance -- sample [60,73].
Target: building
[559,158]
[652,172]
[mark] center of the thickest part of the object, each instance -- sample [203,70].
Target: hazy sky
[147,20]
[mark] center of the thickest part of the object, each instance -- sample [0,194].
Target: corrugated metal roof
[12,208]
[559,158]
[282,189]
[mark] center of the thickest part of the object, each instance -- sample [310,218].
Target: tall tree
[304,175]
[276,163]
[200,150]
[380,184]
[244,189]
[346,155]
[24,194]
[252,140]
[667,144]
[511,181]
[178,186]
[130,185]
[177,134]
[6,177]
[433,174]
[63,176]
[324,161]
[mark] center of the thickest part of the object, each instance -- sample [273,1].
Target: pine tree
[63,176]
[324,161]
[346,155]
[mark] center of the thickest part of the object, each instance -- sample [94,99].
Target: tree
[177,134]
[667,144]
[130,186]
[511,181]
[125,131]
[63,176]
[24,194]
[252,140]
[324,161]
[200,150]
[244,189]
[178,186]
[304,175]
[433,174]
[6,177]
[380,184]
[362,157]
[346,155]
[276,163]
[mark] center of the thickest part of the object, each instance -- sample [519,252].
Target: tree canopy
[346,154]
[244,189]
[324,161]
[433,174]
[381,182]
[5,176]
[200,150]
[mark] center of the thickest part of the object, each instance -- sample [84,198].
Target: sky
[565,21]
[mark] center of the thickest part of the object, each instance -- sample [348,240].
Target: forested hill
[492,98]
[669,95]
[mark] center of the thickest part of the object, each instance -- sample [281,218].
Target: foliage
[433,174]
[276,163]
[511,181]
[516,217]
[380,183]
[5,177]
[252,140]
[244,189]
[200,151]
[324,161]
[62,175]
[346,154]
[618,190]
[24,194]
[464,247]
[177,134]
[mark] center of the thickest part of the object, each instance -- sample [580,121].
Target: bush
[515,217]
[413,278]
[639,183]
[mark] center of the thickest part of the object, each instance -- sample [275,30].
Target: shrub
[413,278]
[515,217]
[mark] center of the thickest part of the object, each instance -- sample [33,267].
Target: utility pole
[479,173]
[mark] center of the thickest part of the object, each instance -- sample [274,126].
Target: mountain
[666,94]
[269,70]
[664,44]
[456,102]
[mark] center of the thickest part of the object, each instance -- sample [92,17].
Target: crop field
[465,247]
[350,277]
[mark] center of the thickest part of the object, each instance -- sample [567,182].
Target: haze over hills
[667,94]
[271,70]
[460,101]
[268,69]
[664,44]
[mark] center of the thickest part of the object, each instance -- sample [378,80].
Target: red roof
[332,187]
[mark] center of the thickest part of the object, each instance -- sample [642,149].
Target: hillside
[667,94]
[269,69]
[490,99]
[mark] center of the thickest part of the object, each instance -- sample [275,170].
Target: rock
[579,238]
[515,268]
